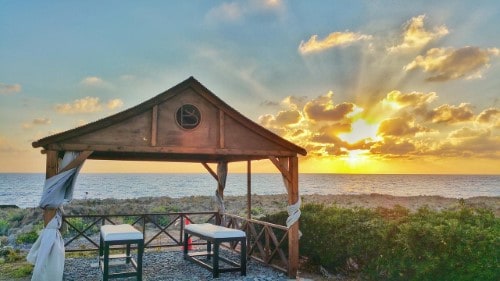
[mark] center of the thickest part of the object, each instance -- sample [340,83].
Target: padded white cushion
[214,231]
[119,232]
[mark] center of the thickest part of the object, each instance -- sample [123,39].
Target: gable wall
[135,131]
[171,134]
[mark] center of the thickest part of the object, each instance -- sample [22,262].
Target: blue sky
[318,73]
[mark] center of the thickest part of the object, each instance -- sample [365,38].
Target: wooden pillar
[52,166]
[293,232]
[249,189]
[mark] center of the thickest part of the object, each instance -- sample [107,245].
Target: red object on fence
[189,242]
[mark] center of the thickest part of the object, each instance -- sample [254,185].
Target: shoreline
[268,204]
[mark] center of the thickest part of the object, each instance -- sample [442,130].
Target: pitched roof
[148,131]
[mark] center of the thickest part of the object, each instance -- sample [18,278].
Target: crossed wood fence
[267,242]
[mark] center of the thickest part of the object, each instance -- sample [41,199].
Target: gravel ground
[170,265]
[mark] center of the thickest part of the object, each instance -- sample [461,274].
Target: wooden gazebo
[186,123]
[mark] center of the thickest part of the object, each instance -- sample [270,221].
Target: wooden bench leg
[209,250]
[215,264]
[106,262]
[243,257]
[140,252]
[185,250]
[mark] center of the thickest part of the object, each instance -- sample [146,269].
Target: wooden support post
[249,189]
[154,125]
[293,232]
[50,171]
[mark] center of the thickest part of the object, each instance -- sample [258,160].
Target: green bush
[394,244]
[27,238]
[448,245]
[74,224]
[4,227]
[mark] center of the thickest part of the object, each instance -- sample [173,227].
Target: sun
[357,157]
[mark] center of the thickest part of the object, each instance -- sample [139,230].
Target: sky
[364,86]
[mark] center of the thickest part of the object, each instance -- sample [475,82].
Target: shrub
[80,224]
[448,245]
[4,227]
[27,238]
[394,244]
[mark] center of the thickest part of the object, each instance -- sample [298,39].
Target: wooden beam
[249,189]
[168,149]
[221,129]
[282,168]
[52,165]
[77,161]
[214,174]
[293,233]
[154,125]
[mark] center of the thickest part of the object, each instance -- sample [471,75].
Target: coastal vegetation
[396,244]
[364,237]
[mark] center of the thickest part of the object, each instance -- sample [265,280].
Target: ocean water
[24,190]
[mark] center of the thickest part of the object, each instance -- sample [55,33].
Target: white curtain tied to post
[294,209]
[47,253]
[221,185]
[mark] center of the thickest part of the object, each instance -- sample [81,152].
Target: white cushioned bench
[121,234]
[216,234]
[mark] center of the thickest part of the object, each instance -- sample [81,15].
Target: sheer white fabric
[47,253]
[294,209]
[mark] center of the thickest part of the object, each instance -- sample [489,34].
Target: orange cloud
[451,114]
[416,37]
[283,118]
[334,39]
[489,116]
[393,146]
[399,126]
[448,63]
[323,109]
[413,99]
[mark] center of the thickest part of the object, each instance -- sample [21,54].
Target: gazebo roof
[185,123]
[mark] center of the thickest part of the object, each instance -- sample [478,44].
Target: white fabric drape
[221,176]
[47,253]
[294,209]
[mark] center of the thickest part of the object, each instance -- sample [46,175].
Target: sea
[24,190]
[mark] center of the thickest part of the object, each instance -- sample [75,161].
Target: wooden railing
[267,243]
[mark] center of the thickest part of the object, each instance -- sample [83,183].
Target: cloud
[87,105]
[393,146]
[489,116]
[114,103]
[9,88]
[468,142]
[399,126]
[37,122]
[323,109]
[416,37]
[448,63]
[282,118]
[469,133]
[413,99]
[334,39]
[92,81]
[451,114]
[238,10]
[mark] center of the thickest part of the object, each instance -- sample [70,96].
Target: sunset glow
[362,92]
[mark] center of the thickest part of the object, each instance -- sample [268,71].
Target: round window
[188,116]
